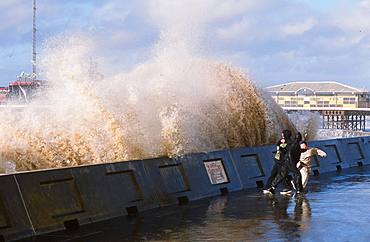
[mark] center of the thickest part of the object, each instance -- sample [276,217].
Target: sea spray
[175,103]
[166,108]
[307,123]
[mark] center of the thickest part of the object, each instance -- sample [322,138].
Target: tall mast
[34,41]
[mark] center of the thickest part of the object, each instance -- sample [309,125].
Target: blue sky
[273,41]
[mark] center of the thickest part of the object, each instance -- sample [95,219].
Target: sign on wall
[216,172]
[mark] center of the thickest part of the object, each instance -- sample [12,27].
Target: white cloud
[237,30]
[298,28]
[111,11]
[203,11]
[355,18]
[221,9]
[15,16]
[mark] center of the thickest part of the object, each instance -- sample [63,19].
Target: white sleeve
[319,152]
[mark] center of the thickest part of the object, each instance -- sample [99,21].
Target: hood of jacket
[287,134]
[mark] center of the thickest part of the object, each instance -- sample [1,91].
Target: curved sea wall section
[43,201]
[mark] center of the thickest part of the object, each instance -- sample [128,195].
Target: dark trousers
[286,168]
[274,172]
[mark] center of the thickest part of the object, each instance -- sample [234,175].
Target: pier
[338,118]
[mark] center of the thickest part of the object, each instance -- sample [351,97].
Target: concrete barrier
[335,160]
[129,188]
[365,142]
[192,176]
[342,153]
[357,150]
[57,199]
[14,219]
[43,201]
[254,164]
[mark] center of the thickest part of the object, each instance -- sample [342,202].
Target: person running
[292,156]
[279,160]
[304,165]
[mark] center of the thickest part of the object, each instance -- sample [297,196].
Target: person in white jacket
[304,165]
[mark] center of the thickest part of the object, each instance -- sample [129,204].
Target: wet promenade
[336,208]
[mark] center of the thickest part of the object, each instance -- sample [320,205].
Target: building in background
[319,95]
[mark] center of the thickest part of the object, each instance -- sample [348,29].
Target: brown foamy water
[173,104]
[156,110]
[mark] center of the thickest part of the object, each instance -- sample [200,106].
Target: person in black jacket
[291,158]
[279,160]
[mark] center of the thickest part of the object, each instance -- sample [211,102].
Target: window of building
[305,91]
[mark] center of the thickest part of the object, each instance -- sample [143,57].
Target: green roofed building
[319,94]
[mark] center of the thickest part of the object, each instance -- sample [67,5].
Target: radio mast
[34,41]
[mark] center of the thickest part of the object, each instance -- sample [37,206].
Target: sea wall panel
[14,221]
[357,150]
[56,198]
[254,164]
[336,158]
[192,176]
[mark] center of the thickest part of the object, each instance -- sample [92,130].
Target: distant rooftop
[316,87]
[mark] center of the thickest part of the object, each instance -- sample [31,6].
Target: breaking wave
[163,108]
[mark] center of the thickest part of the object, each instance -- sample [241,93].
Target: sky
[274,42]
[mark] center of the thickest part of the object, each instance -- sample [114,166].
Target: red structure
[23,90]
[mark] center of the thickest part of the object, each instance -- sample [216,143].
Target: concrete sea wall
[43,201]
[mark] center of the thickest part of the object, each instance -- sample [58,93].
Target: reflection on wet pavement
[335,208]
